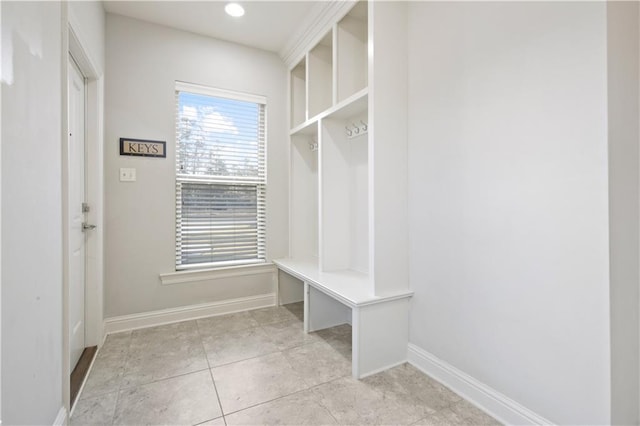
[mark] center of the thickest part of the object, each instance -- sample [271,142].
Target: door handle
[86,227]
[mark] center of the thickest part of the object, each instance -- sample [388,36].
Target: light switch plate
[127,174]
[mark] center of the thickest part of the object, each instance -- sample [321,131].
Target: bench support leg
[323,311]
[380,336]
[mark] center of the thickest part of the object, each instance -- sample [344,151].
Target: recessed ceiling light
[234,9]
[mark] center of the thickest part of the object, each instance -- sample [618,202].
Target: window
[220,178]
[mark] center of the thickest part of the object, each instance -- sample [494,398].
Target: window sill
[216,274]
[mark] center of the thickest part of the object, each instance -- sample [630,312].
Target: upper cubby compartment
[352,33]
[320,64]
[333,73]
[298,93]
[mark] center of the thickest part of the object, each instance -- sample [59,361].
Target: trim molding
[77,48]
[184,313]
[61,418]
[487,399]
[216,274]
[317,23]
[86,377]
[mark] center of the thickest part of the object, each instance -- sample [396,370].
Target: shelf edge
[299,129]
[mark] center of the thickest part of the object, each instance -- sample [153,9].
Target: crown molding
[316,24]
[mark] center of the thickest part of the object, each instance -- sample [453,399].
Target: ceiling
[267,25]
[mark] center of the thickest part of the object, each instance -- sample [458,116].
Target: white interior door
[77,252]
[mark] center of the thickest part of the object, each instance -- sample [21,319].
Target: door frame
[77,216]
[76,45]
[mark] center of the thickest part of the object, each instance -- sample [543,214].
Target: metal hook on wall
[354,130]
[313,145]
[349,131]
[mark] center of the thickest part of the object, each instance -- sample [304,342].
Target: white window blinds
[220,178]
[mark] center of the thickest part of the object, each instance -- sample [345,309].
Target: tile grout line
[121,388]
[128,354]
[465,417]
[127,359]
[124,367]
[209,367]
[261,327]
[213,381]
[258,326]
[282,352]
[290,394]
[251,357]
[315,386]
[163,379]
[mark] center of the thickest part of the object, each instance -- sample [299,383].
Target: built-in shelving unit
[341,228]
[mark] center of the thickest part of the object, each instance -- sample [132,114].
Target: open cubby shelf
[333,70]
[351,107]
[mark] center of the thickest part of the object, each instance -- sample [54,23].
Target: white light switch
[127,174]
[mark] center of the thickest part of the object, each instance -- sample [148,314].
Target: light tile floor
[255,367]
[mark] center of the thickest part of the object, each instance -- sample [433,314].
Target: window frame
[260,183]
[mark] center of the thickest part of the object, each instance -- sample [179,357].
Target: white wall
[143,62]
[31,213]
[508,199]
[88,18]
[1,84]
[624,193]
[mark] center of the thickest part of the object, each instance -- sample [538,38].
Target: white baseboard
[61,418]
[184,313]
[487,399]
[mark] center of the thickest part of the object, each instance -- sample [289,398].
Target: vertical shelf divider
[334,76]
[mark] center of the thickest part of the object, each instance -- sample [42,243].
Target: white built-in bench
[380,324]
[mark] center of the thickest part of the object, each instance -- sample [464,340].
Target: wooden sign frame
[143,148]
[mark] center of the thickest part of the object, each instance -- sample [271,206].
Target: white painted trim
[61,418]
[65,170]
[184,313]
[86,377]
[183,86]
[482,396]
[316,25]
[1,84]
[78,48]
[216,274]
[94,304]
